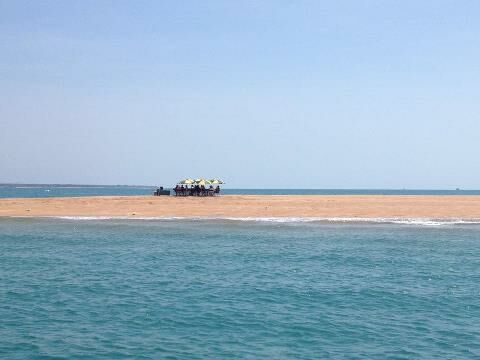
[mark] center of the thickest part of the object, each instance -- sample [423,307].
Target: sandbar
[348,206]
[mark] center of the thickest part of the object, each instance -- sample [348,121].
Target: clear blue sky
[309,94]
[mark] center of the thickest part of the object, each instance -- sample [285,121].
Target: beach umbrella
[216,181]
[187,182]
[203,182]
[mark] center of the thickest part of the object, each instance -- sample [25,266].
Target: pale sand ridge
[363,206]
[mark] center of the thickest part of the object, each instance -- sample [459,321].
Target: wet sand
[363,206]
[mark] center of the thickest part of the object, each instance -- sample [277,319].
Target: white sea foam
[122,218]
[378,220]
[345,220]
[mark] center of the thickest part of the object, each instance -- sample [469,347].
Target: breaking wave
[327,220]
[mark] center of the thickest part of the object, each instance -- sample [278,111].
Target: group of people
[196,190]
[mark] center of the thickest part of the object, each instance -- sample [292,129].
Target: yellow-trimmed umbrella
[201,182]
[216,182]
[187,182]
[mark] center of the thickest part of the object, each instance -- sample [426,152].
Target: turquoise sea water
[218,289]
[52,190]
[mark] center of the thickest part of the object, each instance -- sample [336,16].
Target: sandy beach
[363,206]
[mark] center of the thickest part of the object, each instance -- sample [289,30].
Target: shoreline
[249,206]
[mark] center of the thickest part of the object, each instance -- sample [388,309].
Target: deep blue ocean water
[7,191]
[218,289]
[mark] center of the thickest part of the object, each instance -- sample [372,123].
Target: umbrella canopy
[201,182]
[216,181]
[187,182]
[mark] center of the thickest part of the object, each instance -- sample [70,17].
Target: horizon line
[236,188]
